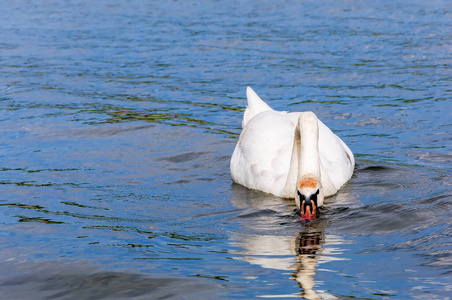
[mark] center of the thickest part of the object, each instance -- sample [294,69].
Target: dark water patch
[82,206]
[380,219]
[135,245]
[37,219]
[71,281]
[20,205]
[108,131]
[226,212]
[163,258]
[27,183]
[55,170]
[36,210]
[260,213]
[215,277]
[112,228]
[186,157]
[390,217]
[375,169]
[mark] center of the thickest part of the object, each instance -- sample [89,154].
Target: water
[118,121]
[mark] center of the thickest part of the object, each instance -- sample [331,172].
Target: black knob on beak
[309,206]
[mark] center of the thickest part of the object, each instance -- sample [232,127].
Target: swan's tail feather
[255,106]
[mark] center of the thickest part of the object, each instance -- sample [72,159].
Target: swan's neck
[305,158]
[308,127]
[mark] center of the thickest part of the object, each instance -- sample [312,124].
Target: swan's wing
[261,158]
[337,159]
[255,106]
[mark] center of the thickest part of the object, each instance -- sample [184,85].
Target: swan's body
[281,153]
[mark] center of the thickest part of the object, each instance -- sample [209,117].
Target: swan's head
[309,196]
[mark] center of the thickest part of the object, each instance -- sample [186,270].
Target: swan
[290,155]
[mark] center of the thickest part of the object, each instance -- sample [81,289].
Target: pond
[118,121]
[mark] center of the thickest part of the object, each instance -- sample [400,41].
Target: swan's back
[261,158]
[336,158]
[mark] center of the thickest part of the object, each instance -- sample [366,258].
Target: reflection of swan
[263,241]
[299,253]
[290,155]
[307,246]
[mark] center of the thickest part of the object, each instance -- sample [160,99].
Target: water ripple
[118,122]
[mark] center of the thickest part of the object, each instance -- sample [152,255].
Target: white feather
[262,156]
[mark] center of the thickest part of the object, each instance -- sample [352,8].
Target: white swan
[290,155]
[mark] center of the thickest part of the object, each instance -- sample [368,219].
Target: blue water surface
[118,120]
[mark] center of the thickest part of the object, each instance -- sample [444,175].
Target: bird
[290,155]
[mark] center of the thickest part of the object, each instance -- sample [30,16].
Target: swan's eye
[301,196]
[314,196]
